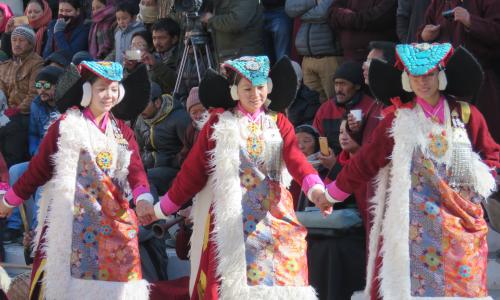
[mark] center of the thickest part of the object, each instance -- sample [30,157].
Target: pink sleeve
[336,193]
[168,207]
[309,181]
[12,199]
[139,191]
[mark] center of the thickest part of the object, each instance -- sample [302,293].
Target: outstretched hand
[145,212]
[4,210]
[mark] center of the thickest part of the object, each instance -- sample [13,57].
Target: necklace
[104,158]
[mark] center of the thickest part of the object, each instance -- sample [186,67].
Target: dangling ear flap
[234,92]
[405,82]
[121,93]
[269,85]
[443,81]
[87,94]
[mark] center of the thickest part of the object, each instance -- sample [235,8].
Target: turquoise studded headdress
[254,68]
[460,74]
[107,70]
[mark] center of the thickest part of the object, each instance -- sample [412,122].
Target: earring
[269,85]
[405,81]
[87,94]
[234,92]
[443,81]
[121,94]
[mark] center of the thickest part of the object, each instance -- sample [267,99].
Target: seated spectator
[160,130]
[142,41]
[237,26]
[39,16]
[163,62]
[102,30]
[43,114]
[306,103]
[349,96]
[317,43]
[60,58]
[358,22]
[277,30]
[127,25]
[199,116]
[70,31]
[148,13]
[409,18]
[17,75]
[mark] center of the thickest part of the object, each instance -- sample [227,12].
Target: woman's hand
[9,27]
[430,32]
[145,212]
[319,199]
[328,161]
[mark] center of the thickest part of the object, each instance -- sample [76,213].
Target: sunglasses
[44,85]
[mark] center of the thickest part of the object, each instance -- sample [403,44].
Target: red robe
[375,155]
[40,169]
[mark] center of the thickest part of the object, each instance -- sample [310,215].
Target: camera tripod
[197,44]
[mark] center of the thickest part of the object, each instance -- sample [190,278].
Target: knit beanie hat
[26,32]
[50,74]
[156,91]
[61,57]
[350,71]
[193,98]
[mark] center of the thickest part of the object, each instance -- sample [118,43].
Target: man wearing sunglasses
[43,114]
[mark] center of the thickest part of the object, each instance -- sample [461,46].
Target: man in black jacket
[159,131]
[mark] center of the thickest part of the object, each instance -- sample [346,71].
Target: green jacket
[237,28]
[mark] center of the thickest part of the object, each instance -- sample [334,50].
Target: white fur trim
[405,81]
[391,203]
[159,212]
[378,210]
[57,206]
[87,94]
[226,202]
[199,215]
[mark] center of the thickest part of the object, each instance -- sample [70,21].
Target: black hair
[77,4]
[128,7]
[168,25]
[306,128]
[388,50]
[146,35]
[103,2]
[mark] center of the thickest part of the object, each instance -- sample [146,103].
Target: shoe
[11,236]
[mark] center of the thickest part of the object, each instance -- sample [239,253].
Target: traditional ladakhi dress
[247,242]
[428,240]
[88,246]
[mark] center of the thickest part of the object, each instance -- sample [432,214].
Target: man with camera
[475,25]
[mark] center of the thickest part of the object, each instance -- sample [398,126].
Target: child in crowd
[128,25]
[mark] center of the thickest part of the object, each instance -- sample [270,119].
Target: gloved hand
[60,25]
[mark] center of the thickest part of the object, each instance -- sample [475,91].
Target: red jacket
[358,22]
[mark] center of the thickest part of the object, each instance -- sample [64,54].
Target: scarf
[7,14]
[40,26]
[166,107]
[102,22]
[148,14]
